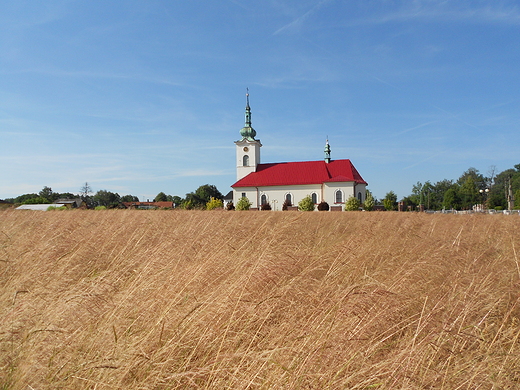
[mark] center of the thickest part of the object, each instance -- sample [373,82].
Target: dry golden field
[258,300]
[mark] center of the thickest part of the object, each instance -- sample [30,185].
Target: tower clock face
[246,149]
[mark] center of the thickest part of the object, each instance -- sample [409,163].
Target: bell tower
[247,148]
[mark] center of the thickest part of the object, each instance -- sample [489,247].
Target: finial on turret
[327,151]
[247,131]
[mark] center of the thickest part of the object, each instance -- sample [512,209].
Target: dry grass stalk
[171,300]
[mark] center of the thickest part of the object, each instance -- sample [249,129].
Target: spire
[247,131]
[327,151]
[248,109]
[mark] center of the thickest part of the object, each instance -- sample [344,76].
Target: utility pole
[510,198]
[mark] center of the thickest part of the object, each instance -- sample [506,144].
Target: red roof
[300,173]
[151,204]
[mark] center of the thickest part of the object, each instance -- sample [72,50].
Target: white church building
[332,181]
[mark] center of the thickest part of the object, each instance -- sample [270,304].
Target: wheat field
[129,299]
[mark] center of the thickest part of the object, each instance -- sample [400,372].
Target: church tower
[247,148]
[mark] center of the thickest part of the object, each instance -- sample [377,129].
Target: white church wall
[276,195]
[330,190]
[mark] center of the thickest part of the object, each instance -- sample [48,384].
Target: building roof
[229,196]
[38,207]
[301,173]
[78,202]
[148,204]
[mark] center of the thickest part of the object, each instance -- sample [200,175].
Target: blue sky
[138,97]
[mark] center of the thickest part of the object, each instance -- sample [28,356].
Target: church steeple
[327,152]
[247,132]
[248,147]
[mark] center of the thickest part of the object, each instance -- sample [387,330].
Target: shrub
[230,206]
[352,204]
[100,208]
[214,203]
[286,205]
[52,208]
[243,204]
[265,206]
[323,206]
[306,204]
[369,202]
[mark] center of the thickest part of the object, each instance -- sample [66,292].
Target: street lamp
[484,194]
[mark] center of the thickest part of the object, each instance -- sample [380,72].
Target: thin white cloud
[416,127]
[299,21]
[498,13]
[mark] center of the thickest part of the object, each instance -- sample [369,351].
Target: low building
[71,203]
[148,205]
[37,207]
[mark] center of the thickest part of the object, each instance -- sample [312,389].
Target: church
[332,181]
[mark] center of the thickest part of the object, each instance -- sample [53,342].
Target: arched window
[288,199]
[339,196]
[360,197]
[314,197]
[263,199]
[245,161]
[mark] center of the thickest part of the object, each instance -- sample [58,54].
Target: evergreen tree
[451,199]
[390,201]
[369,201]
[243,204]
[161,197]
[306,204]
[352,204]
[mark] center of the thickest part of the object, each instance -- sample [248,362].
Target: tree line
[197,199]
[493,191]
[472,188]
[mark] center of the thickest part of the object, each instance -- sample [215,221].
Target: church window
[263,199]
[245,161]
[243,194]
[288,199]
[360,197]
[314,197]
[339,196]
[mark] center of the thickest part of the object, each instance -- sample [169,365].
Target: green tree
[517,199]
[390,201]
[243,204]
[409,203]
[435,197]
[451,199]
[474,174]
[65,195]
[497,196]
[46,193]
[161,197]
[177,201]
[369,201]
[129,198]
[202,195]
[37,200]
[106,198]
[306,204]
[352,204]
[208,191]
[214,204]
[22,198]
[469,193]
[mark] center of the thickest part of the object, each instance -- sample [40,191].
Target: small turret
[327,152]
